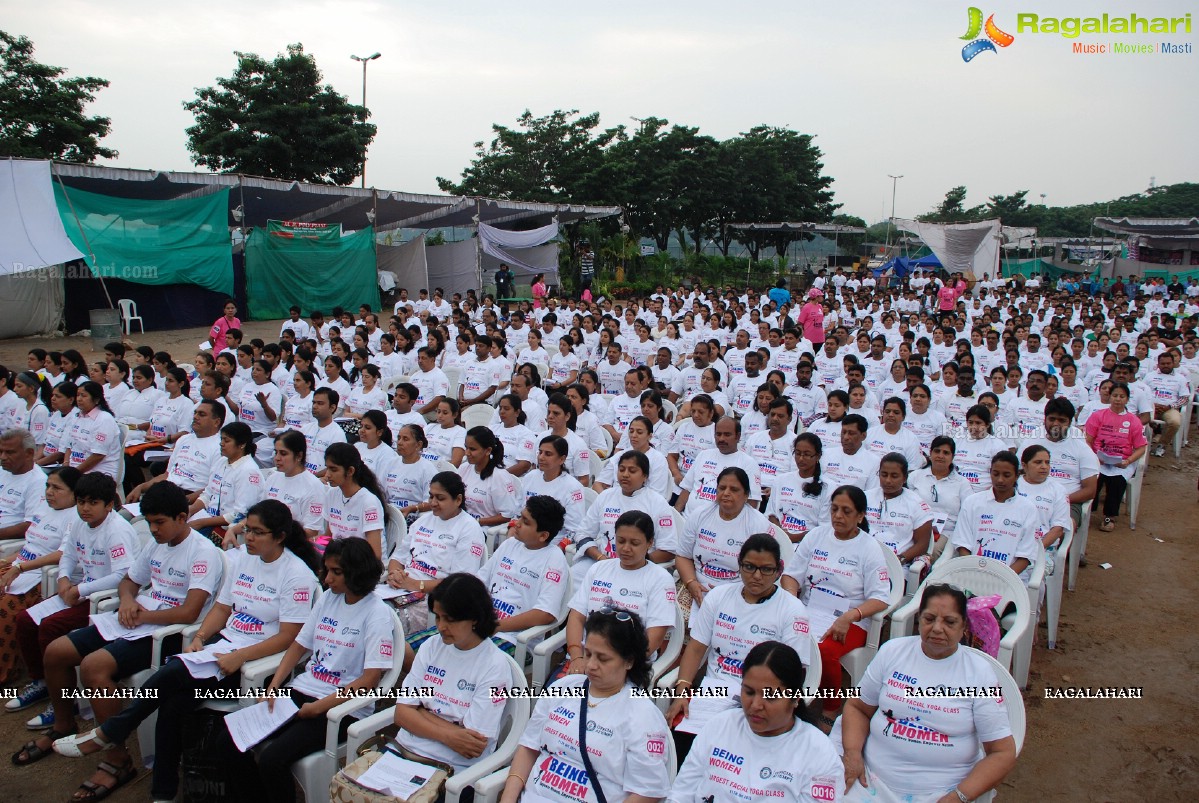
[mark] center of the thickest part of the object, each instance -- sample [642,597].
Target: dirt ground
[1131,626]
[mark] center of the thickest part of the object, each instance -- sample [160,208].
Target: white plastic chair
[855,661]
[595,466]
[315,770]
[512,726]
[670,411]
[397,530]
[1078,545]
[477,415]
[608,445]
[1054,584]
[445,465]
[538,631]
[981,576]
[543,371]
[452,374]
[1132,496]
[1036,580]
[812,672]
[589,497]
[129,315]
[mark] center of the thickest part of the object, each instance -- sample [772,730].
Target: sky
[882,86]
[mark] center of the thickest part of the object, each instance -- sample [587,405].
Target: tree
[547,159]
[275,119]
[42,114]
[953,209]
[1010,209]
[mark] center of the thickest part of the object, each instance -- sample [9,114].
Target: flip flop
[33,752]
[93,792]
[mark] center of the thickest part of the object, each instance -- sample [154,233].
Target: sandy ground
[1128,626]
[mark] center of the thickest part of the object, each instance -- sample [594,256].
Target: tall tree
[547,159]
[276,119]
[953,209]
[42,114]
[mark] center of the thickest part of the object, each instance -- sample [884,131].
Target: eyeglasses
[765,571]
[258,532]
[620,613]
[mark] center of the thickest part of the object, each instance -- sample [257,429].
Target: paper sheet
[202,663]
[387,592]
[25,582]
[249,726]
[111,629]
[134,509]
[45,608]
[395,775]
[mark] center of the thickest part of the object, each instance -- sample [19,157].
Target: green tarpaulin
[152,242]
[314,274]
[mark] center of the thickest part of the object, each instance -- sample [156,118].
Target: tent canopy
[902,266]
[1152,227]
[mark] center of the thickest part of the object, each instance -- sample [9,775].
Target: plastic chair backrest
[128,308]
[445,465]
[589,497]
[1012,698]
[981,576]
[896,574]
[397,530]
[595,466]
[478,415]
[671,410]
[673,649]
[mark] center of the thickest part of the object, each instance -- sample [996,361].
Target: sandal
[71,746]
[34,753]
[89,791]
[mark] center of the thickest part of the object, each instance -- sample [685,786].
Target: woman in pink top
[1118,437]
[223,324]
[811,318]
[947,297]
[539,291]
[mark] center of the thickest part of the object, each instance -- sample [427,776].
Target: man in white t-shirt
[698,488]
[430,380]
[298,326]
[194,455]
[851,463]
[322,431]
[22,483]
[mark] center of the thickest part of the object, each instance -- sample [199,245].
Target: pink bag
[982,631]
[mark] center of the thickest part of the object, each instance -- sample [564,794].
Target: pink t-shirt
[217,333]
[539,293]
[811,318]
[947,297]
[1113,434]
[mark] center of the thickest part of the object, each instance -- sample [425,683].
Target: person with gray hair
[21,488]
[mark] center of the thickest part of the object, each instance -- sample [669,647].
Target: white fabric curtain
[31,232]
[967,248]
[407,263]
[452,267]
[517,239]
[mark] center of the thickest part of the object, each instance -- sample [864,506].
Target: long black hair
[276,517]
[348,457]
[814,486]
[487,440]
[783,662]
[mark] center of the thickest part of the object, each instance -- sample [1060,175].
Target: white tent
[968,248]
[33,247]
[454,267]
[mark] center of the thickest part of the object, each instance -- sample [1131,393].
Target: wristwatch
[962,796]
[16,564]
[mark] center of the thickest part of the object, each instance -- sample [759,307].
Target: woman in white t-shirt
[32,414]
[942,488]
[899,517]
[897,745]
[265,597]
[975,448]
[628,581]
[374,444]
[922,421]
[447,438]
[367,396]
[293,485]
[117,388]
[336,379]
[407,481]
[561,419]
[800,499]
[492,494]
[297,407]
[612,741]
[21,572]
[95,442]
[711,541]
[533,352]
[234,485]
[637,436]
[355,506]
[1051,500]
[60,424]
[564,366]
[999,523]
[767,745]
[692,437]
[520,444]
[588,425]
[172,416]
[841,574]
[736,618]
[343,660]
[138,405]
[828,429]
[550,479]
[460,723]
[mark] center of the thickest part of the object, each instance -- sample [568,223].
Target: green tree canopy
[41,113]
[276,119]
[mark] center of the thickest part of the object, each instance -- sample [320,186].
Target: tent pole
[479,248]
[82,233]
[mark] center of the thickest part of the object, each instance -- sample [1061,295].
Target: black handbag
[212,769]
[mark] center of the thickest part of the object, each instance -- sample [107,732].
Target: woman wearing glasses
[614,747]
[750,612]
[841,574]
[769,747]
[899,746]
[800,500]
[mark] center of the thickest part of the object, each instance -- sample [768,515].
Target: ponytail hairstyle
[783,662]
[96,391]
[514,400]
[39,383]
[346,456]
[333,358]
[561,401]
[276,517]
[180,376]
[455,409]
[487,440]
[243,436]
[379,420]
[814,486]
[164,358]
[417,432]
[80,369]
[294,441]
[123,367]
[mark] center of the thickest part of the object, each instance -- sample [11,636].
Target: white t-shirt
[304,496]
[519,444]
[925,426]
[1051,503]
[731,627]
[354,516]
[578,453]
[47,529]
[264,595]
[20,495]
[319,439]
[520,580]
[361,400]
[626,746]
[171,416]
[860,469]
[96,558]
[598,528]
[172,572]
[58,432]
[429,385]
[689,441]
[435,548]
[836,576]
[498,495]
[728,761]
[701,479]
[881,442]
[1070,460]
[829,433]
[461,682]
[345,641]
[648,592]
[659,480]
[1003,531]
[715,544]
[407,484]
[379,460]
[192,461]
[566,490]
[921,746]
[443,441]
[973,459]
[943,496]
[297,411]
[136,408]
[774,456]
[798,511]
[97,433]
[894,521]
[232,489]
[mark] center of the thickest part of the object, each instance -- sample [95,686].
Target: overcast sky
[881,85]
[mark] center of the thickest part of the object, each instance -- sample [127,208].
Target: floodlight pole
[891,220]
[365,60]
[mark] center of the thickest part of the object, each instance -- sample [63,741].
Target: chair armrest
[100,598]
[487,790]
[190,632]
[543,654]
[530,633]
[901,620]
[366,727]
[160,635]
[342,710]
[260,670]
[668,680]
[480,769]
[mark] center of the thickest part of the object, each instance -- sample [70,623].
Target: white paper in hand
[249,726]
[202,663]
[46,608]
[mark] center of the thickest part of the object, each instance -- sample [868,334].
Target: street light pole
[364,61]
[890,220]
